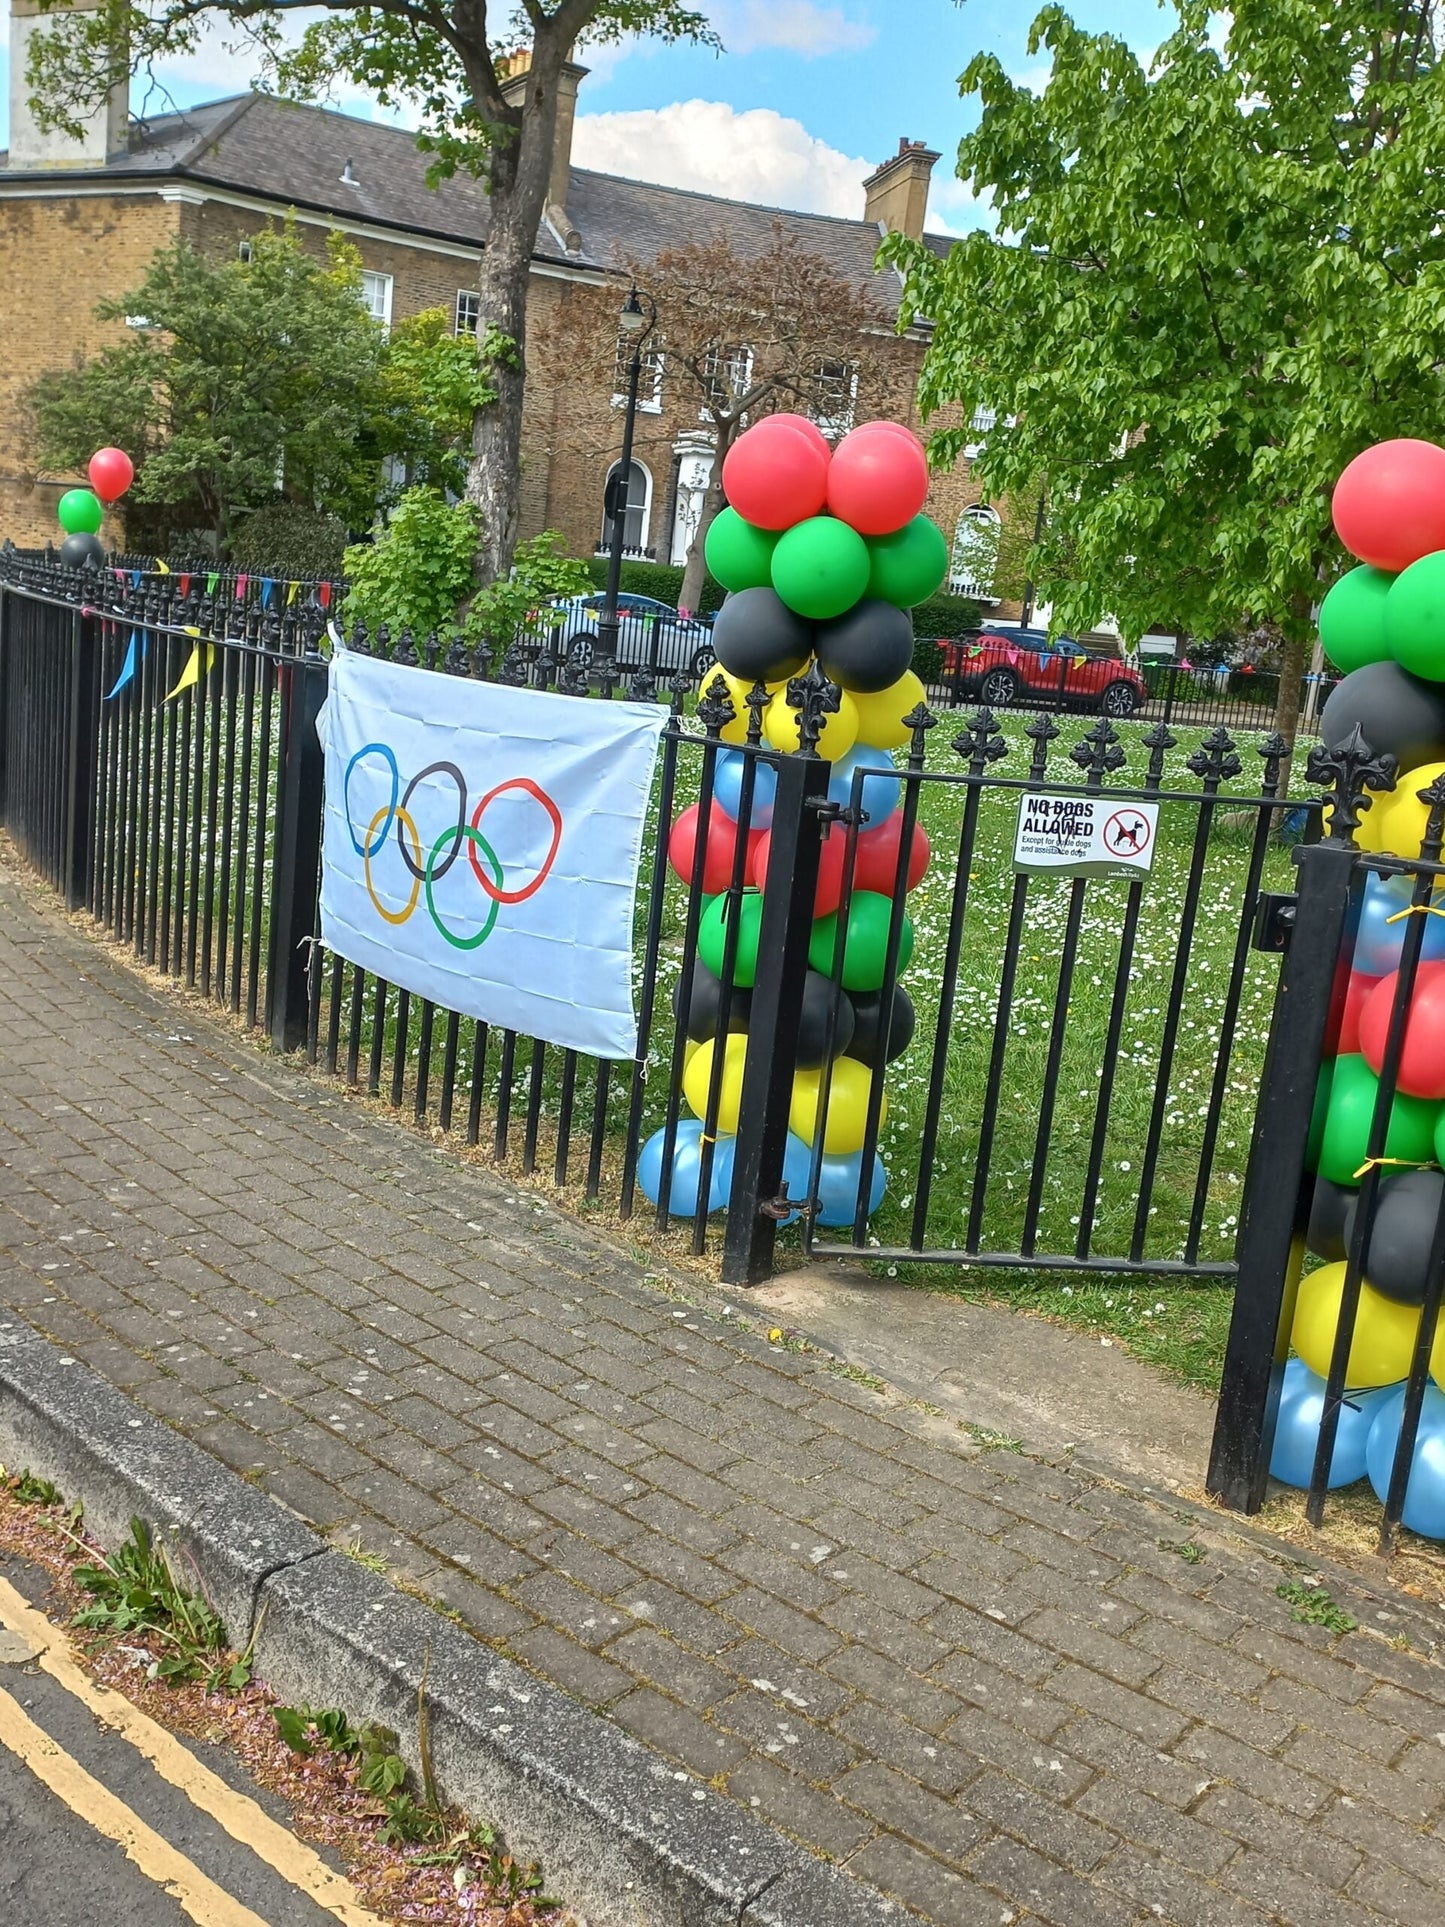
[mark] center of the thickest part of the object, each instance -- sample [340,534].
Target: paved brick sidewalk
[980,1680]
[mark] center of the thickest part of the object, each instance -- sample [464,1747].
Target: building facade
[80,221]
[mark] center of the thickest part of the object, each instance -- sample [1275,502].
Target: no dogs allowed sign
[1084,836]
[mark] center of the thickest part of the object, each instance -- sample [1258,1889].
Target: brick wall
[58,257]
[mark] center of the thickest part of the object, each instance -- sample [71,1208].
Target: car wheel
[999,689]
[1119,700]
[702,661]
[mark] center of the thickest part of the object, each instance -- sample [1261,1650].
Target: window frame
[961,581]
[387,285]
[474,297]
[654,363]
[645,509]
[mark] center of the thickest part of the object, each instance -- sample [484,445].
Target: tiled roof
[296,157]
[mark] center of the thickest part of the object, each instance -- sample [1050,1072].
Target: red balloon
[1389,504]
[877,482]
[774,475]
[717,863]
[1422,1062]
[889,428]
[876,865]
[811,429]
[1356,995]
[832,853]
[111,473]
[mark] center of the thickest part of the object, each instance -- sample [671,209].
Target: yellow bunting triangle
[161,568]
[200,662]
[293,589]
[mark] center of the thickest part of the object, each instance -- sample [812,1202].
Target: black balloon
[82,550]
[757,638]
[820,995]
[868,648]
[1398,714]
[1397,1254]
[868,1026]
[1328,1207]
[705,1002]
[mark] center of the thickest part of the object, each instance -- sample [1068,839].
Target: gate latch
[783,1207]
[1274,920]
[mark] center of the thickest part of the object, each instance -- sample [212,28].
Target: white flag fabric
[481,845]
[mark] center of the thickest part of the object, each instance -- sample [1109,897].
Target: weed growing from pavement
[1312,1606]
[135,1590]
[1186,1549]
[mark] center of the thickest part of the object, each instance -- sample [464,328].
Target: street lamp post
[637,320]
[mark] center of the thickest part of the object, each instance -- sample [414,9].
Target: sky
[809,96]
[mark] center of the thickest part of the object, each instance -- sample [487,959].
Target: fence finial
[1347,770]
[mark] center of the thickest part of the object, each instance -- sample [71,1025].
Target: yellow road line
[199,1896]
[240,1816]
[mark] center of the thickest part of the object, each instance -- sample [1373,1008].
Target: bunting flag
[323,594]
[1045,658]
[212,579]
[202,656]
[185,585]
[135,578]
[268,584]
[241,581]
[293,589]
[133,657]
[161,567]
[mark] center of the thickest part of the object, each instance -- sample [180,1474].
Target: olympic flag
[480,846]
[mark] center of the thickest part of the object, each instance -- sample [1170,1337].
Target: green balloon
[820,568]
[1415,617]
[739,554]
[1339,1139]
[712,935]
[908,565]
[866,945]
[1352,619]
[80,512]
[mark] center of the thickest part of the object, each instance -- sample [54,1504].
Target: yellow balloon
[880,716]
[838,734]
[697,1076]
[1404,817]
[1373,821]
[1384,1340]
[847,1115]
[738,692]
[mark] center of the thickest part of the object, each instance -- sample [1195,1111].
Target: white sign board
[480,846]
[1084,836]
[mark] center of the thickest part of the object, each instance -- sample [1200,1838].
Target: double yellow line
[247,1823]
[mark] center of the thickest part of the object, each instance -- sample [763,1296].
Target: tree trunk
[1291,684]
[518,197]
[695,573]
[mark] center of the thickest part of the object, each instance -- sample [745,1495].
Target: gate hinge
[1274,915]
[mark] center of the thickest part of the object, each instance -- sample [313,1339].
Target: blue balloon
[1297,1430]
[880,792]
[797,1170]
[838,1188]
[1378,942]
[686,1169]
[727,787]
[1425,1494]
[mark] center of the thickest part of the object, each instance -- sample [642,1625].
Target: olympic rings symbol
[427,867]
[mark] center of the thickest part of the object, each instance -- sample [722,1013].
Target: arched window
[974,562]
[638,512]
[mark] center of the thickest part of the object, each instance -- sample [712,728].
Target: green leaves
[1213,283]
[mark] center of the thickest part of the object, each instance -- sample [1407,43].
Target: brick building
[80,220]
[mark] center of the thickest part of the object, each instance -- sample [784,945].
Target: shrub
[946,616]
[418,570]
[661,580]
[287,538]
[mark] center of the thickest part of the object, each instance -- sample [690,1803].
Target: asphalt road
[115,1820]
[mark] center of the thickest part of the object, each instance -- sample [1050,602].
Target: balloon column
[1383,624]
[823,552]
[82,510]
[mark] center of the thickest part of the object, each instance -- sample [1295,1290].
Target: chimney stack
[517,73]
[105,129]
[896,194]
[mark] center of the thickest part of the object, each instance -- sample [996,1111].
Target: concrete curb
[622,1837]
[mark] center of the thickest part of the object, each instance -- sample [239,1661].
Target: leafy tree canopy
[253,378]
[1212,283]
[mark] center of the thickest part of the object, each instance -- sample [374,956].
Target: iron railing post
[296,869]
[81,750]
[1274,1215]
[789,892]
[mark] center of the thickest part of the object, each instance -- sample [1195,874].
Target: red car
[1006,667]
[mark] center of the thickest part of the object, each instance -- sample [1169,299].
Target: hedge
[288,538]
[941,615]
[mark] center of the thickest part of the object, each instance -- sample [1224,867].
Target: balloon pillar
[1383,624]
[823,553]
[82,510]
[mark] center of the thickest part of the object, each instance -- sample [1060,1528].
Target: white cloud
[796,26]
[756,155]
